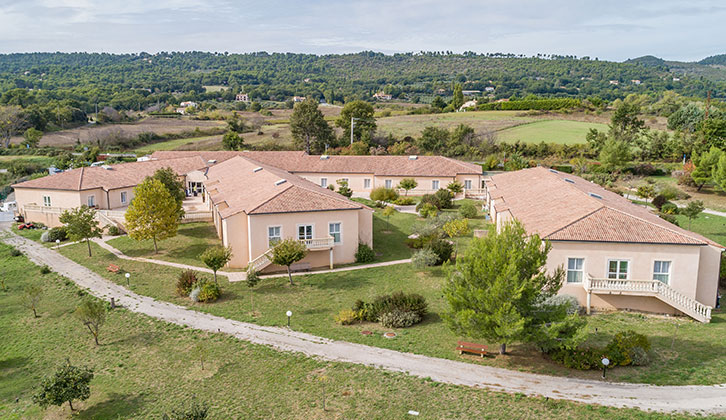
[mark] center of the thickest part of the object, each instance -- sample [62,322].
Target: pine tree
[705,164]
[153,213]
[309,128]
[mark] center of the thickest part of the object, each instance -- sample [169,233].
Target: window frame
[435,184]
[340,232]
[366,183]
[581,271]
[667,274]
[270,244]
[47,203]
[312,231]
[124,197]
[469,183]
[617,273]
[324,182]
[388,183]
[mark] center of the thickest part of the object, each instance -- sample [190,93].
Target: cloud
[616,29]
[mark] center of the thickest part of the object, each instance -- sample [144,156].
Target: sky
[608,29]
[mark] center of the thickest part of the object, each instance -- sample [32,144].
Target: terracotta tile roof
[298,161]
[245,185]
[117,176]
[560,206]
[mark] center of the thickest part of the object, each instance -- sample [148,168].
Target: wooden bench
[113,268]
[303,266]
[464,347]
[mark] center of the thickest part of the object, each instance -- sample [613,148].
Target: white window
[91,200]
[467,184]
[305,232]
[618,269]
[366,183]
[389,183]
[124,197]
[334,230]
[575,270]
[46,200]
[435,185]
[324,182]
[662,271]
[274,235]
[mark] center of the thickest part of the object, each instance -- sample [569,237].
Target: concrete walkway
[239,276]
[692,399]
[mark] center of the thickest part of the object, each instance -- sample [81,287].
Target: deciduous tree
[215,258]
[31,297]
[309,128]
[12,122]
[81,224]
[407,184]
[153,213]
[68,383]
[174,185]
[494,289]
[365,121]
[92,313]
[287,253]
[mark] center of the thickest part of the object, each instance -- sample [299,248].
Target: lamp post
[57,244]
[127,275]
[289,314]
[605,363]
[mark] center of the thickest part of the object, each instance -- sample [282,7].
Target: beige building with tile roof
[617,255]
[255,205]
[363,173]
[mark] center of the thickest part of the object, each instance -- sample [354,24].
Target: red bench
[113,268]
[465,347]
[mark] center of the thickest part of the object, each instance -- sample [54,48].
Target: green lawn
[171,144]
[698,355]
[191,241]
[143,368]
[413,125]
[550,131]
[708,225]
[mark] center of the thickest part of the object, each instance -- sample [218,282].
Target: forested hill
[131,81]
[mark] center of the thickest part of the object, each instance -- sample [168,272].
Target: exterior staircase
[654,288]
[315,244]
[110,217]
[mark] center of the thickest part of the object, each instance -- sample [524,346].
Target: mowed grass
[696,356]
[550,131]
[711,226]
[143,368]
[175,144]
[191,241]
[413,125]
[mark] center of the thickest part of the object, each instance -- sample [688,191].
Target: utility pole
[352,125]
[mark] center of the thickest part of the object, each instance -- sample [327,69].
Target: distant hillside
[714,59]
[648,61]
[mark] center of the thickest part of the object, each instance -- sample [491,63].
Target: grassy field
[697,356]
[177,144]
[550,131]
[711,226]
[5,160]
[143,369]
[413,125]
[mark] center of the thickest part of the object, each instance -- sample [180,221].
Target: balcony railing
[318,243]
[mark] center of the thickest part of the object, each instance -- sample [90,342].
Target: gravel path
[692,399]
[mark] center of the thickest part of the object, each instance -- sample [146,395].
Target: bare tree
[12,122]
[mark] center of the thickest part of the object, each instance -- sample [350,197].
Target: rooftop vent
[257,169]
[598,196]
[212,161]
[569,180]
[324,157]
[107,167]
[553,171]
[412,157]
[280,181]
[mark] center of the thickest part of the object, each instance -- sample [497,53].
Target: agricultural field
[550,131]
[144,368]
[413,125]
[193,143]
[92,133]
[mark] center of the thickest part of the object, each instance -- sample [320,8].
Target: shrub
[194,294]
[569,303]
[581,358]
[669,208]
[399,319]
[14,252]
[659,200]
[443,250]
[364,254]
[185,283]
[209,291]
[404,201]
[620,350]
[468,210]
[427,210]
[58,233]
[669,218]
[383,304]
[445,198]
[384,194]
[346,317]
[45,270]
[113,230]
[424,258]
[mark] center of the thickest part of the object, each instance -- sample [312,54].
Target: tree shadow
[203,231]
[14,371]
[116,406]
[145,339]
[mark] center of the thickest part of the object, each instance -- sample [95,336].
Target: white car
[9,206]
